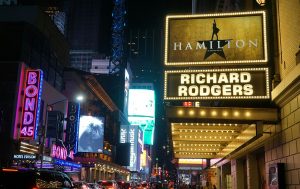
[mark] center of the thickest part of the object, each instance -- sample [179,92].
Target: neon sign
[61,152]
[31,104]
[240,83]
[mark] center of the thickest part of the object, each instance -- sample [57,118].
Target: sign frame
[225,62]
[221,97]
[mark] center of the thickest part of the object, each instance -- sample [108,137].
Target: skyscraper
[89,25]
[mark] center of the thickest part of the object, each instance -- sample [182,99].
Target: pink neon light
[32,78]
[32,84]
[60,152]
[27,118]
[29,104]
[31,91]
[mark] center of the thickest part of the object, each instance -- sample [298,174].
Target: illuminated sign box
[225,38]
[240,83]
[31,104]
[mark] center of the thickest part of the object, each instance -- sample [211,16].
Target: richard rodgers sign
[244,83]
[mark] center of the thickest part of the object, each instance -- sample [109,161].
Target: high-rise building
[57,10]
[89,25]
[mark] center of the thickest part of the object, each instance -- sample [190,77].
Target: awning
[213,132]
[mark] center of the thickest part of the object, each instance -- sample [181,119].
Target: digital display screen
[90,137]
[147,124]
[141,102]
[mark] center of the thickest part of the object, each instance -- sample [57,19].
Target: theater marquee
[217,39]
[240,83]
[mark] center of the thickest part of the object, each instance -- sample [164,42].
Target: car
[143,185]
[109,184]
[34,179]
[94,185]
[81,185]
[124,185]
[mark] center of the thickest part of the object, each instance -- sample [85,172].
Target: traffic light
[55,124]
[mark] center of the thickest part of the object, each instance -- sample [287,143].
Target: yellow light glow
[202,113]
[225,113]
[180,112]
[247,114]
[236,113]
[191,112]
[214,113]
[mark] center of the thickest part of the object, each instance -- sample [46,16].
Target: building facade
[270,158]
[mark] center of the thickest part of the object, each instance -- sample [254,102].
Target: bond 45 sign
[31,103]
[245,83]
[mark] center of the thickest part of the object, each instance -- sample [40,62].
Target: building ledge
[288,88]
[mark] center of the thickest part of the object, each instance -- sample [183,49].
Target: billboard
[239,83]
[147,124]
[133,135]
[141,102]
[237,38]
[31,104]
[90,136]
[72,126]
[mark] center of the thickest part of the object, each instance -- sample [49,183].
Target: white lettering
[184,79]
[177,45]
[188,46]
[200,45]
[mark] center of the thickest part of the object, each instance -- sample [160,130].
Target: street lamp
[79,98]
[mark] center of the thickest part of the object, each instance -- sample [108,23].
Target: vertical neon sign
[31,104]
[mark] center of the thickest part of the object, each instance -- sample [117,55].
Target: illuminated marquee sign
[215,39]
[246,83]
[61,152]
[31,104]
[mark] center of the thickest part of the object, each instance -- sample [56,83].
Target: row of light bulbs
[199,149]
[212,145]
[206,137]
[213,113]
[205,124]
[206,131]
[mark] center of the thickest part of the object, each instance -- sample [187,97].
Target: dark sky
[145,13]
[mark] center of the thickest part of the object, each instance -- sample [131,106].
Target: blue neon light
[39,105]
[77,129]
[66,163]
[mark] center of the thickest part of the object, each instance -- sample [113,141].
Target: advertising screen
[147,124]
[221,38]
[141,102]
[90,137]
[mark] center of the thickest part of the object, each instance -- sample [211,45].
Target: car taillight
[35,187]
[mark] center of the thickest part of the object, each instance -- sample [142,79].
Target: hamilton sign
[208,84]
[216,39]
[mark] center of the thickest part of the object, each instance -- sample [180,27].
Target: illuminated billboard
[244,83]
[72,126]
[31,104]
[133,134]
[224,38]
[147,124]
[90,136]
[141,102]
